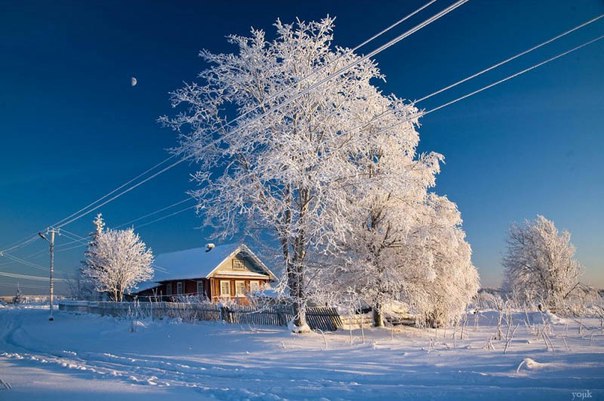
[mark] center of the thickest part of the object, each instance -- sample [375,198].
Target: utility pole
[52,270]
[52,231]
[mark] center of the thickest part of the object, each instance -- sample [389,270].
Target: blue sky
[73,128]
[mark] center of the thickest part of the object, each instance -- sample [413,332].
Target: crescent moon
[133,81]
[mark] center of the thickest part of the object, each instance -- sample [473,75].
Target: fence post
[281,318]
[225,314]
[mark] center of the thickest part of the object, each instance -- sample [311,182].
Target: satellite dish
[133,81]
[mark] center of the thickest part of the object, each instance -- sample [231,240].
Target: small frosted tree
[117,261]
[540,265]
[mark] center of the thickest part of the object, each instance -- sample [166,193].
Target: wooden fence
[318,318]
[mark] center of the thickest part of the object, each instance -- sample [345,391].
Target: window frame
[202,293]
[238,284]
[220,284]
[257,284]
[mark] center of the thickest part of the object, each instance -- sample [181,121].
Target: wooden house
[218,273]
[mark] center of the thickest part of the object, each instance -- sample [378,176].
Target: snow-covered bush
[488,299]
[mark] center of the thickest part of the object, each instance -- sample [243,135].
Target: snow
[100,358]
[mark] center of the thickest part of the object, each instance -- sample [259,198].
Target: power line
[514,75]
[78,236]
[72,247]
[22,243]
[489,86]
[400,21]
[34,236]
[28,277]
[23,286]
[154,213]
[492,67]
[169,215]
[436,108]
[75,237]
[511,58]
[125,191]
[60,222]
[23,261]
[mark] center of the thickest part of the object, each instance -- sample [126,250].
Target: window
[168,288]
[225,288]
[254,286]
[240,288]
[201,292]
[238,264]
[179,288]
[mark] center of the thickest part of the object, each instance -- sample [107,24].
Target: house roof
[199,263]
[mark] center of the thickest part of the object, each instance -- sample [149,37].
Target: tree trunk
[296,270]
[300,325]
[295,281]
[378,316]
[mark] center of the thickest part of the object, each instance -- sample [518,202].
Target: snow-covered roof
[199,263]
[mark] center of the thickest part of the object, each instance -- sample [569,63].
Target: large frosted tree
[116,261]
[540,264]
[409,250]
[385,204]
[288,162]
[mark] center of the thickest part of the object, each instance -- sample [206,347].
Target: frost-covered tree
[117,261]
[540,265]
[415,253]
[386,201]
[448,281]
[287,163]
[401,241]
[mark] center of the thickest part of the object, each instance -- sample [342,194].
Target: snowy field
[86,357]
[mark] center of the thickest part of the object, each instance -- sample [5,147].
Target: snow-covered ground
[87,357]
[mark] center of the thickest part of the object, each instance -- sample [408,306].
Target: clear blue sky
[73,128]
